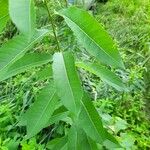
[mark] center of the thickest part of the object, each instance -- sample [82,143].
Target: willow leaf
[59,114]
[39,113]
[3,14]
[15,48]
[92,36]
[67,81]
[23,64]
[22,13]
[91,123]
[105,74]
[77,139]
[43,74]
[58,144]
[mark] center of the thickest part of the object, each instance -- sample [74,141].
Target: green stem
[53,25]
[66,1]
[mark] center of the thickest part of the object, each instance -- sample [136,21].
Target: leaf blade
[100,44]
[25,63]
[105,74]
[67,81]
[39,113]
[17,47]
[77,139]
[3,14]
[25,12]
[91,123]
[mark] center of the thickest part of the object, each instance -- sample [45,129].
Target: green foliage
[105,74]
[3,14]
[46,95]
[25,12]
[100,45]
[38,115]
[90,121]
[16,48]
[25,63]
[67,81]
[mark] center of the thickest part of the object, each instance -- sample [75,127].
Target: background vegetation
[126,114]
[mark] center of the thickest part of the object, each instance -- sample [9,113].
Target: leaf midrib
[91,39]
[68,81]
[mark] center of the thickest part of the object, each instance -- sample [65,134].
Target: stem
[66,1]
[53,26]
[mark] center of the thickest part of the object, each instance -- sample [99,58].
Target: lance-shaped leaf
[39,113]
[58,144]
[22,13]
[23,64]
[105,74]
[92,36]
[91,123]
[3,14]
[17,47]
[67,81]
[78,140]
[43,74]
[59,114]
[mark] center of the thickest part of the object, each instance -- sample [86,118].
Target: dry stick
[53,26]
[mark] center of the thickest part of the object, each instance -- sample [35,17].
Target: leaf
[26,62]
[22,14]
[3,14]
[93,144]
[92,36]
[59,114]
[77,139]
[58,144]
[13,144]
[91,123]
[105,74]
[43,74]
[39,113]
[67,81]
[17,47]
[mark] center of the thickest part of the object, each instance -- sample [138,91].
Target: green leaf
[17,47]
[93,144]
[105,74]
[3,14]
[58,144]
[67,81]
[23,64]
[43,73]
[59,114]
[39,113]
[91,123]
[23,16]
[77,139]
[111,142]
[92,36]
